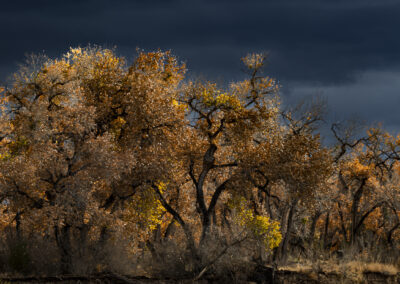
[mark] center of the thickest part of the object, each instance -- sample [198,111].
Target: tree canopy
[96,150]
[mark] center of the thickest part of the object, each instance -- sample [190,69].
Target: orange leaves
[161,66]
[254,60]
[355,169]
[88,140]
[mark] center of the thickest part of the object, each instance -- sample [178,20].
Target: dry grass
[363,267]
[298,267]
[351,270]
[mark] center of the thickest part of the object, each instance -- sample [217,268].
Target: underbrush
[216,260]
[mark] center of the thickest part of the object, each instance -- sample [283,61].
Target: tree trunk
[354,210]
[18,225]
[63,239]
[285,242]
[313,226]
[83,237]
[326,230]
[343,227]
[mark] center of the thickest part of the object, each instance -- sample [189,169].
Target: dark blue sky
[347,51]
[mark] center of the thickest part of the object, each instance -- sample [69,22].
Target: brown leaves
[86,136]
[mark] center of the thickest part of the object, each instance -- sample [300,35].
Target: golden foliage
[90,141]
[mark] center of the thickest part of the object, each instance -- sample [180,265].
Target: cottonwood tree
[221,126]
[90,144]
[74,133]
[366,173]
[94,149]
[51,155]
[294,167]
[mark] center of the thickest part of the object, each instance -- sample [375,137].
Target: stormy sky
[347,51]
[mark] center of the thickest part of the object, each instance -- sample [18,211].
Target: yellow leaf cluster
[146,210]
[261,227]
[218,99]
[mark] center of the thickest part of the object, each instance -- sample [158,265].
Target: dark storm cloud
[308,40]
[312,44]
